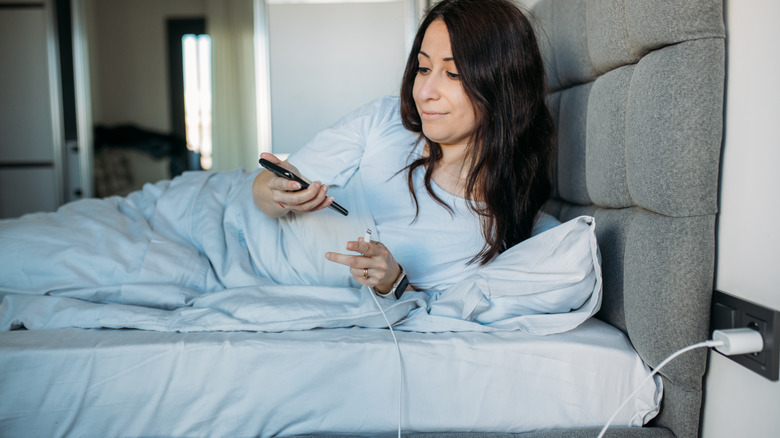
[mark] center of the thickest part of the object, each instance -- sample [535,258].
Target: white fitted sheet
[92,382]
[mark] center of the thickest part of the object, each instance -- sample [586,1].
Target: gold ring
[365,274]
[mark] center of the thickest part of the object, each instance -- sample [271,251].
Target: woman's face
[447,115]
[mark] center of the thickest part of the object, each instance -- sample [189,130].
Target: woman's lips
[426,115]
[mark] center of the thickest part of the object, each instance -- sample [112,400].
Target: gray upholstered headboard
[637,89]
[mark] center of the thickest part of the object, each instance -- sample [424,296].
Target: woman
[448,176]
[456,170]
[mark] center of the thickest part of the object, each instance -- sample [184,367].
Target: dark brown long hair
[512,147]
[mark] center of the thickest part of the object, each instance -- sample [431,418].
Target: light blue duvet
[195,254]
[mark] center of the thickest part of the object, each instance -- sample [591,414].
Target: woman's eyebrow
[429,57]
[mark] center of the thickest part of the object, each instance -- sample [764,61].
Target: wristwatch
[400,285]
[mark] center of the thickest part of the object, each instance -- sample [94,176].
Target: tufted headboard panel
[637,91]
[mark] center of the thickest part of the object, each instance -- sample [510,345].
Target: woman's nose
[429,88]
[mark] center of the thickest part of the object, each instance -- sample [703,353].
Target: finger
[277,182]
[353,261]
[283,184]
[361,274]
[270,157]
[300,198]
[326,203]
[318,202]
[363,247]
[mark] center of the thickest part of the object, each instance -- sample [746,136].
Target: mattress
[114,382]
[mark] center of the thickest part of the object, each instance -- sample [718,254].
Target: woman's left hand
[375,266]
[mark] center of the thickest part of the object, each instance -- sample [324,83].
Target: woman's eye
[453,75]
[423,70]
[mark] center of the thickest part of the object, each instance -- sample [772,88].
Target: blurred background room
[101,96]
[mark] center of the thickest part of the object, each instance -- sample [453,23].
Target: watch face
[401,288]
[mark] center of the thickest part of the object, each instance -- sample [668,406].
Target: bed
[167,312]
[638,104]
[141,383]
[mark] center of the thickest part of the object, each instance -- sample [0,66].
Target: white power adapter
[738,341]
[730,342]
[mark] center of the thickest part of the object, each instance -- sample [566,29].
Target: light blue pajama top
[372,144]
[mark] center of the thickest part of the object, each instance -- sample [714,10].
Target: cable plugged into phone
[730,342]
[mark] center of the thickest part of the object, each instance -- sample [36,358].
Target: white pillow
[546,284]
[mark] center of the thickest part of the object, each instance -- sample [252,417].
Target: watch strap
[400,288]
[400,285]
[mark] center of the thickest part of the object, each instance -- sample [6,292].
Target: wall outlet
[730,312]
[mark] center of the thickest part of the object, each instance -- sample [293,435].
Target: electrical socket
[730,312]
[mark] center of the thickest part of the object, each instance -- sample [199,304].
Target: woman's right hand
[276,196]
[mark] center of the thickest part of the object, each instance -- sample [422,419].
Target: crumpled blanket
[194,254]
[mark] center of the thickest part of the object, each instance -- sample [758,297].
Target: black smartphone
[284,173]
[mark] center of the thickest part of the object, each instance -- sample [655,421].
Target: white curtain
[230,23]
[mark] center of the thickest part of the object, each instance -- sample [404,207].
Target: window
[196,64]
[189,67]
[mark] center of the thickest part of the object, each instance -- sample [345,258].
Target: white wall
[129,61]
[739,402]
[329,59]
[30,119]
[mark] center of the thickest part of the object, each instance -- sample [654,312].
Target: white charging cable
[729,342]
[367,238]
